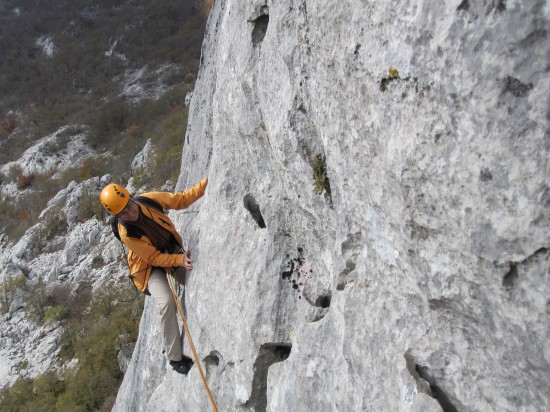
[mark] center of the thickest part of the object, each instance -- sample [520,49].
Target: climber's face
[130,213]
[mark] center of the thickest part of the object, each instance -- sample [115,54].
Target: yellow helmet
[114,198]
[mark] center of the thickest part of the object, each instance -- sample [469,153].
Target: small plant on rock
[321,182]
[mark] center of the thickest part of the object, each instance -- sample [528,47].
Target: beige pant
[160,290]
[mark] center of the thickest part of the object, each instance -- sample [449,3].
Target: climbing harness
[173,287]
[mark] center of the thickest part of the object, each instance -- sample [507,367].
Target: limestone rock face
[375,231]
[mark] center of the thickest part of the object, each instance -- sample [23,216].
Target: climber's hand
[187,262]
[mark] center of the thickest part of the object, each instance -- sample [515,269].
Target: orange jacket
[142,255]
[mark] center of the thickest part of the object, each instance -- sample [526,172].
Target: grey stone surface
[422,282]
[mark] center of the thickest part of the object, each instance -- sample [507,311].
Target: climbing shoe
[183,366]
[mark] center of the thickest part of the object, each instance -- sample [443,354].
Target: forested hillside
[118,69]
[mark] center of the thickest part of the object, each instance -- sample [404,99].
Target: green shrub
[25,181]
[37,301]
[97,262]
[54,146]
[38,395]
[46,389]
[79,302]
[8,124]
[141,177]
[9,221]
[15,397]
[90,206]
[108,121]
[189,78]
[104,302]
[17,215]
[54,224]
[8,290]
[55,313]
[14,172]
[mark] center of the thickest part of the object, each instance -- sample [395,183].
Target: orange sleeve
[150,254]
[179,200]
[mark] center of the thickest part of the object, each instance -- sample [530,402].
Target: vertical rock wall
[421,282]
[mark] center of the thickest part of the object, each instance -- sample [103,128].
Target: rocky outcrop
[52,154]
[28,349]
[414,274]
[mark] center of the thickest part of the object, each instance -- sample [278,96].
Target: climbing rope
[173,287]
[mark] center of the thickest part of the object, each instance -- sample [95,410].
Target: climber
[155,247]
